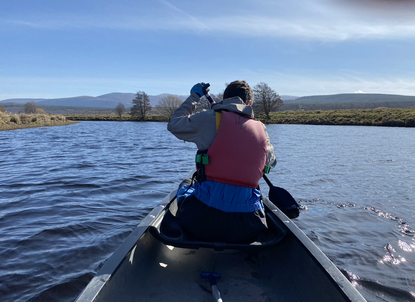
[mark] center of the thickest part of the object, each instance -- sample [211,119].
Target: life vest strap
[218,119]
[198,158]
[202,159]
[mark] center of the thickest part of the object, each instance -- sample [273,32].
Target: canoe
[158,262]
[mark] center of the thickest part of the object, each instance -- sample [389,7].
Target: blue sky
[51,49]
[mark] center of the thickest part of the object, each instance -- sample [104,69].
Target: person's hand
[200,89]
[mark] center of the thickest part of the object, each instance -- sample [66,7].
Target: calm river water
[70,195]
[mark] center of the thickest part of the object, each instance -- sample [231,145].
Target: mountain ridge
[109,100]
[315,102]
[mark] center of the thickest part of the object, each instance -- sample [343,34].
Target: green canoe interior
[291,269]
[156,272]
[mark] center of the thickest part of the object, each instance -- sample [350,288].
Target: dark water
[70,195]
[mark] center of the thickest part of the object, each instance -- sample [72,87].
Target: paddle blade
[284,201]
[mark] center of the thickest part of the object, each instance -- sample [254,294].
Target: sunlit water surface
[70,195]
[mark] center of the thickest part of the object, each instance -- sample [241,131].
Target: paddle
[205,88]
[282,199]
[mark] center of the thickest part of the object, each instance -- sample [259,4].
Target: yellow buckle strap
[218,119]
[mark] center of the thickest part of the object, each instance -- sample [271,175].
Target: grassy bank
[395,117]
[392,117]
[10,121]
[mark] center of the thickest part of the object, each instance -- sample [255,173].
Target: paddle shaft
[282,199]
[207,95]
[267,181]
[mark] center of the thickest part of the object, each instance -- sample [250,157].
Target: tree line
[28,108]
[266,100]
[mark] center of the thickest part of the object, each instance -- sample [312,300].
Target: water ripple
[69,196]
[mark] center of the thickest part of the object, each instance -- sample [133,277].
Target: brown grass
[392,117]
[10,121]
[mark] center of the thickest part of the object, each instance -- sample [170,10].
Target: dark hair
[241,89]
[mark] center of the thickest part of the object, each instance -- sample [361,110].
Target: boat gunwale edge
[112,264]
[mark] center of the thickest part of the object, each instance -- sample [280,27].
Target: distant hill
[109,100]
[288,97]
[52,109]
[349,101]
[318,102]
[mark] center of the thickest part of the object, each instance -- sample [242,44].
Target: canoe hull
[145,269]
[155,272]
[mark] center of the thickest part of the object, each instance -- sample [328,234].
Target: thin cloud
[303,83]
[298,83]
[323,20]
[191,20]
[325,27]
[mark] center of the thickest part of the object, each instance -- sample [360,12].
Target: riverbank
[10,121]
[392,117]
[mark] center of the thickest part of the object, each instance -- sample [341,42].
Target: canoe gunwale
[112,264]
[338,279]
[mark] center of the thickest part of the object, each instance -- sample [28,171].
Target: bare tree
[168,105]
[31,108]
[141,105]
[204,103]
[217,97]
[120,110]
[266,99]
[2,109]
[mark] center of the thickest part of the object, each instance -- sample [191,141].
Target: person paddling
[223,202]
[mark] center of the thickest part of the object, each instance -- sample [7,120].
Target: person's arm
[198,128]
[271,159]
[180,124]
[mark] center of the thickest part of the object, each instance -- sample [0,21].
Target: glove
[200,89]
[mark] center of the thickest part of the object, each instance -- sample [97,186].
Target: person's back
[224,202]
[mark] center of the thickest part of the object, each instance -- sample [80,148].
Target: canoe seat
[169,232]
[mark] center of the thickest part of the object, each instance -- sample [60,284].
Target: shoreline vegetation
[11,121]
[391,117]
